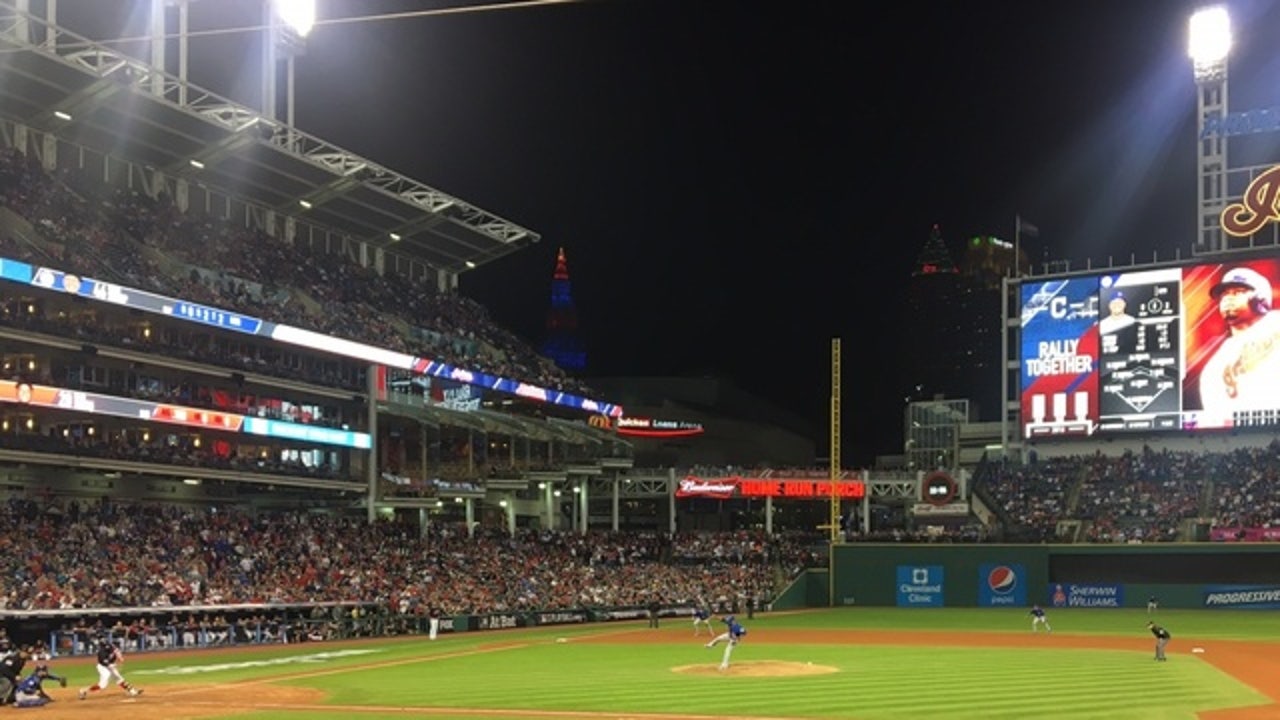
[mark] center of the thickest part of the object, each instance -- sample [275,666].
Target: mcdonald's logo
[603,422]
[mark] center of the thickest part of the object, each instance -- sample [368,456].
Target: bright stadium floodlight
[299,15]
[1209,40]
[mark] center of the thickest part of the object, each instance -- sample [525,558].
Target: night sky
[737,183]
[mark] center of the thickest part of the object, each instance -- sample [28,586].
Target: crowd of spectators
[120,235]
[1136,497]
[62,554]
[1146,496]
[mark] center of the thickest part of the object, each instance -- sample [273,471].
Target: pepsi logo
[1002,580]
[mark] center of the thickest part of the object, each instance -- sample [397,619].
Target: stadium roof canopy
[116,105]
[488,421]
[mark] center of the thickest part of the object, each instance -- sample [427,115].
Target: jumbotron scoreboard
[1180,348]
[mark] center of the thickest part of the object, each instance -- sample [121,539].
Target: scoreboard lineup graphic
[1167,349]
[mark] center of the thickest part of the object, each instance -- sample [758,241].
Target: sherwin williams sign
[1242,597]
[1002,585]
[1097,596]
[919,586]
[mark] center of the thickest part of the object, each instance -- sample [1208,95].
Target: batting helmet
[1244,277]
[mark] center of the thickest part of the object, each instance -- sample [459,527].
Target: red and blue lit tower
[563,345]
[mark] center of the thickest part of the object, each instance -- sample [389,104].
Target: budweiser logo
[1259,205]
[692,486]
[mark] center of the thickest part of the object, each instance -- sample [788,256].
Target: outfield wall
[1181,575]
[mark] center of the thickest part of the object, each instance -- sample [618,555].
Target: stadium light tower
[288,23]
[1209,44]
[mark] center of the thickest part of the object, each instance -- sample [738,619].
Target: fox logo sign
[1002,586]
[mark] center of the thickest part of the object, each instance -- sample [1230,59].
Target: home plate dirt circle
[758,668]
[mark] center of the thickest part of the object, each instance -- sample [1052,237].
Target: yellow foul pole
[835,470]
[835,439]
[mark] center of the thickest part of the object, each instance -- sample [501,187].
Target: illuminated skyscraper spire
[562,344]
[934,256]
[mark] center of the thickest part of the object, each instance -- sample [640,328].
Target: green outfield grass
[494,674]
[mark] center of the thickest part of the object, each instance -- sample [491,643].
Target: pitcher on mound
[732,636]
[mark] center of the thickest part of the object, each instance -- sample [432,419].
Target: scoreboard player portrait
[1235,377]
[1117,317]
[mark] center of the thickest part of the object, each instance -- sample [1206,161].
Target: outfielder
[1039,618]
[110,658]
[732,636]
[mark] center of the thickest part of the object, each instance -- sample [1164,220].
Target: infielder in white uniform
[1244,372]
[109,660]
[433,622]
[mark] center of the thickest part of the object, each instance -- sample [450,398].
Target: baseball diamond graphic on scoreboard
[1139,351]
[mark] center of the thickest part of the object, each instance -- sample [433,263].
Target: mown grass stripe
[874,682]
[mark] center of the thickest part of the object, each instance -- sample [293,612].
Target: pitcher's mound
[758,668]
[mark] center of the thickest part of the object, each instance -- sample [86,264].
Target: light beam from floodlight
[1209,40]
[299,15]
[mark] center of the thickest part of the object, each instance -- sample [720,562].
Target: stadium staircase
[21,229]
[1196,529]
[308,303]
[998,517]
[52,250]
[982,510]
[1072,528]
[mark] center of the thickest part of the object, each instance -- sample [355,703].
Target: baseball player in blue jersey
[30,692]
[1038,618]
[732,636]
[701,619]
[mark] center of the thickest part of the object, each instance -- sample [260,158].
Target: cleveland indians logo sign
[1259,205]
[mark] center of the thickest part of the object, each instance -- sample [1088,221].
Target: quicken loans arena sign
[646,427]
[727,487]
[1259,205]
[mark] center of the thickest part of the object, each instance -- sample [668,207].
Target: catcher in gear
[30,692]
